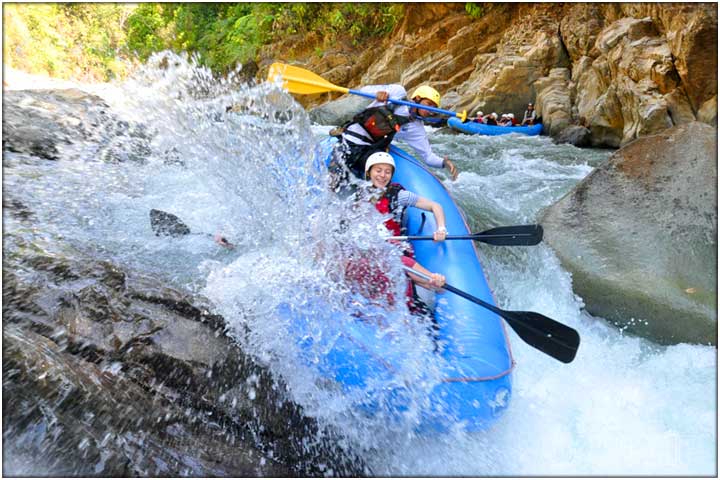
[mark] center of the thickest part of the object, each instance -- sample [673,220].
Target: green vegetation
[475,10]
[225,34]
[99,41]
[66,40]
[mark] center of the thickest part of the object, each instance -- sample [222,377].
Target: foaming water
[625,406]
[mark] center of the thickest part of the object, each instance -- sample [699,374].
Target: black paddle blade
[547,335]
[167,224]
[524,235]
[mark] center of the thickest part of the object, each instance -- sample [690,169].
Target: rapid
[625,406]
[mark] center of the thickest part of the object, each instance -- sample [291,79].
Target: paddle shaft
[516,235]
[456,291]
[304,82]
[543,333]
[409,104]
[472,236]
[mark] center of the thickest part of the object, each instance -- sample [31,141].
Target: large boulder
[576,135]
[639,236]
[111,373]
[42,123]
[338,111]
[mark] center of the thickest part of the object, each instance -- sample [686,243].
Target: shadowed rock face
[639,236]
[139,377]
[42,122]
[108,372]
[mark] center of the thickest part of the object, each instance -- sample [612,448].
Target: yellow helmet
[427,92]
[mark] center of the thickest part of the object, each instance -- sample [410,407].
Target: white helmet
[379,157]
[511,115]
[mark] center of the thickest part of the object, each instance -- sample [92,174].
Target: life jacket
[379,123]
[388,204]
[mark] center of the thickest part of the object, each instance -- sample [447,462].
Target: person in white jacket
[374,128]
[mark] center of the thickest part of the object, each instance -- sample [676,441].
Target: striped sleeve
[407,198]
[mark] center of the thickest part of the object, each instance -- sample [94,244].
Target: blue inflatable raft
[474,128]
[355,355]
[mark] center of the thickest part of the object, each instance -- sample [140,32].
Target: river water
[625,406]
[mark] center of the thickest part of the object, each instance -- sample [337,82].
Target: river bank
[620,71]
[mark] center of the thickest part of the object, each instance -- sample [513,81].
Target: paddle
[304,82]
[509,236]
[547,335]
[167,224]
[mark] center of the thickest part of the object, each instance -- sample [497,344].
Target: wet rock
[338,111]
[108,372]
[639,236]
[79,418]
[574,135]
[47,123]
[164,223]
[15,207]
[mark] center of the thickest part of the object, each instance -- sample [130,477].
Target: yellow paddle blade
[301,81]
[462,116]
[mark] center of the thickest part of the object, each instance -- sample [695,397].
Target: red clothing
[367,276]
[408,261]
[366,272]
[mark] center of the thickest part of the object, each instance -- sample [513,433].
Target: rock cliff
[622,70]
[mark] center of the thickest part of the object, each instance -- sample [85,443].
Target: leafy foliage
[359,20]
[475,10]
[67,40]
[226,34]
[99,40]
